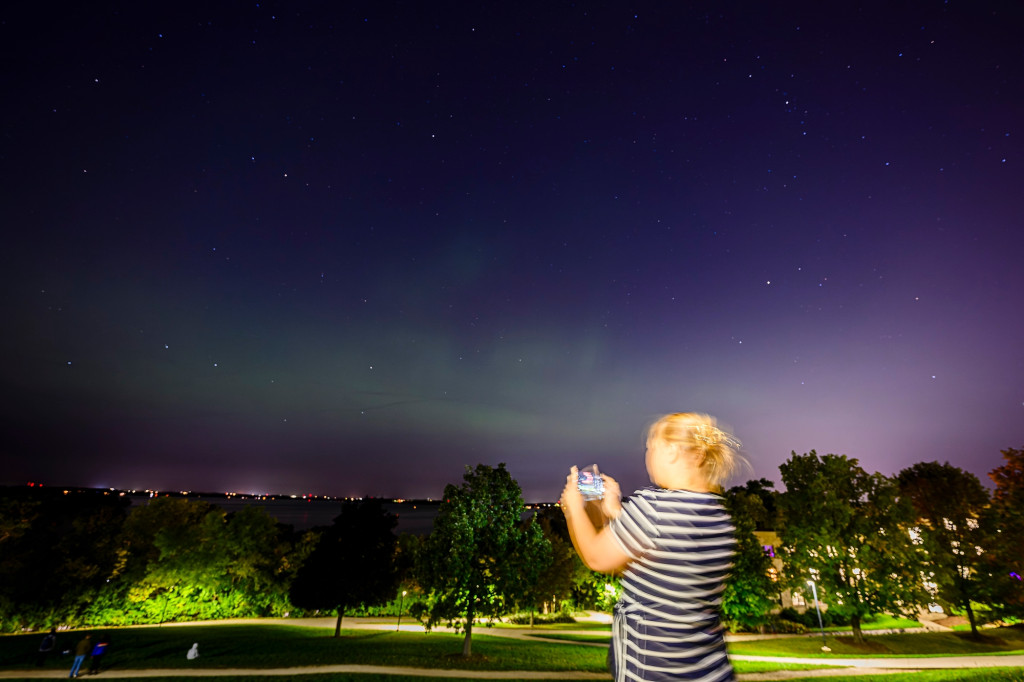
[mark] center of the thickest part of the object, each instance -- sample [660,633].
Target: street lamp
[821,626]
[400,603]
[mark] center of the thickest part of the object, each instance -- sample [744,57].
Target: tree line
[930,535]
[91,559]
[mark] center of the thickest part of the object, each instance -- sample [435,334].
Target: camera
[590,483]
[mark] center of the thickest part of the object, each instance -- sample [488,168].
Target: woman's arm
[599,550]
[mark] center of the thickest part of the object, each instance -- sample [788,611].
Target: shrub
[541,618]
[778,625]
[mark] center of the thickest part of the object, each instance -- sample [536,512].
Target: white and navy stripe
[667,624]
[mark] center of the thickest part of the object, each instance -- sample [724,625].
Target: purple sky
[350,248]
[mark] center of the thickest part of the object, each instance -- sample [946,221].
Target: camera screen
[590,484]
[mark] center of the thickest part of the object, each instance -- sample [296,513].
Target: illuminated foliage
[1008,511]
[57,551]
[950,504]
[480,560]
[188,559]
[750,594]
[555,583]
[847,530]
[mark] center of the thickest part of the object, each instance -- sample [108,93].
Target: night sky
[351,247]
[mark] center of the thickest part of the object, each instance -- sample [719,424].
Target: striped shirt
[667,624]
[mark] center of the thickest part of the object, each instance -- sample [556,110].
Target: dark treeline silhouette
[932,534]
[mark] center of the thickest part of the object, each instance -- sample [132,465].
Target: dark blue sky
[349,248]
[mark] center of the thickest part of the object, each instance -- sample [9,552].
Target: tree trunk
[970,617]
[337,625]
[467,642]
[531,617]
[858,635]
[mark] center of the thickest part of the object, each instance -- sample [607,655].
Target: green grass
[968,675]
[742,667]
[995,641]
[256,646]
[319,677]
[964,675]
[266,646]
[368,677]
[882,622]
[274,646]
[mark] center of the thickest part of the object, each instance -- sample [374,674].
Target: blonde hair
[716,450]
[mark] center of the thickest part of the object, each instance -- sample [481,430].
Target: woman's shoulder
[654,503]
[679,496]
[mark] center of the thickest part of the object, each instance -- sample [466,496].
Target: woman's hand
[599,550]
[611,503]
[572,499]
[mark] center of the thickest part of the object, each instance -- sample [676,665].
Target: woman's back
[682,546]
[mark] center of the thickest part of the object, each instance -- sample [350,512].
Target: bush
[541,618]
[781,626]
[390,609]
[790,614]
[809,618]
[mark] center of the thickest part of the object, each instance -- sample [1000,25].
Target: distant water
[413,517]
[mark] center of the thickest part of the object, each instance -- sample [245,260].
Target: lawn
[881,622]
[994,641]
[274,646]
[967,675]
[265,646]
[971,675]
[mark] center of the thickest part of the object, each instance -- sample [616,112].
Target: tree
[587,589]
[555,583]
[56,552]
[764,490]
[187,559]
[750,594]
[951,504]
[848,530]
[16,516]
[159,516]
[1008,513]
[479,560]
[192,555]
[352,565]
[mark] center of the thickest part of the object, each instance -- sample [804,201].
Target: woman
[673,544]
